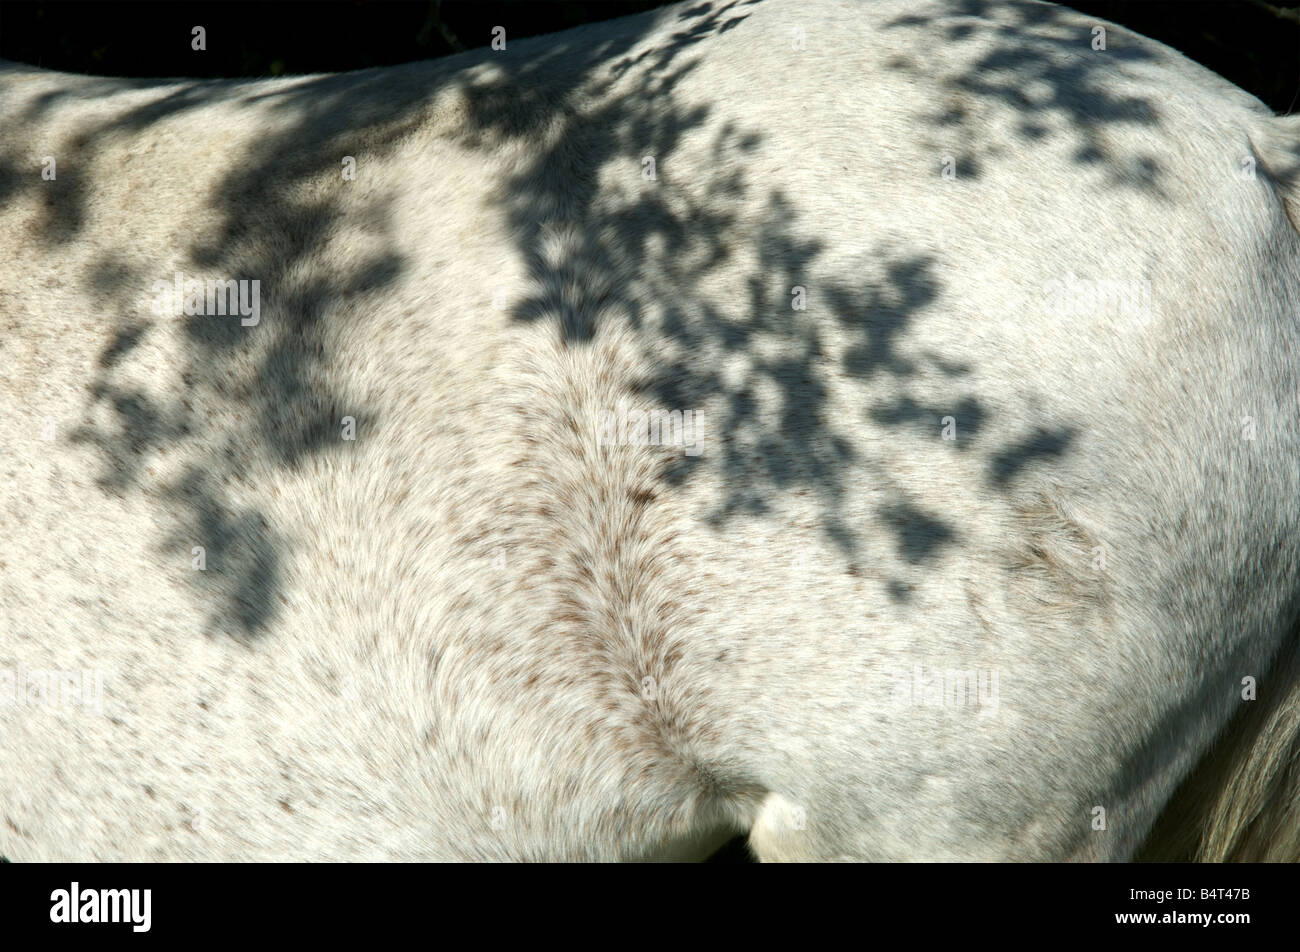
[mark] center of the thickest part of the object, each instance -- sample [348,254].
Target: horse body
[987,339]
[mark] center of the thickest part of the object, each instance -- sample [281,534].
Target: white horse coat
[872,428]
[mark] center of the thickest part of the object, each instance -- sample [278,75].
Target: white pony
[874,429]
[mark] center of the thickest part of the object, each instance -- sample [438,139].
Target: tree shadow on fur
[269,230]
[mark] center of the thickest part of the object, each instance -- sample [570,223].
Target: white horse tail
[1242,803]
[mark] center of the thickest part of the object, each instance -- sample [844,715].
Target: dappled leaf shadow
[281,235]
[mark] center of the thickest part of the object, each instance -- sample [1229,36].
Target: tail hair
[1242,802]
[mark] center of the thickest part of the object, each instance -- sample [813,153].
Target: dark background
[1254,44]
